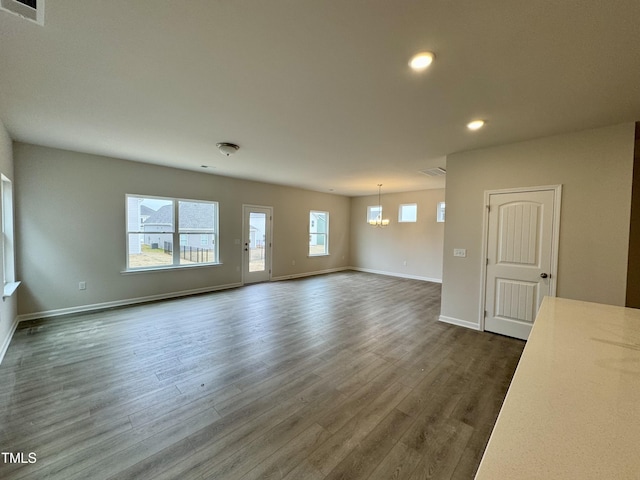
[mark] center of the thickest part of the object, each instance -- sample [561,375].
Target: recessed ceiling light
[421,61]
[475,125]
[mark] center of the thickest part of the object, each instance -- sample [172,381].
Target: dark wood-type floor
[347,375]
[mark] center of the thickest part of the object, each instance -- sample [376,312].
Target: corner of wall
[6,341]
[633,262]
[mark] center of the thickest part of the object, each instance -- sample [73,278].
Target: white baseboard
[399,275]
[308,274]
[184,293]
[151,298]
[122,303]
[7,341]
[460,323]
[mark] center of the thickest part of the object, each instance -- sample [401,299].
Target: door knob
[543,275]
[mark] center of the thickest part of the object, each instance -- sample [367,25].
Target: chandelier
[379,221]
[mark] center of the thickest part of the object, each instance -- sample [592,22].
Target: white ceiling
[317,93]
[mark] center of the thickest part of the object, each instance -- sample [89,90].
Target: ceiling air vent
[434,172]
[30,9]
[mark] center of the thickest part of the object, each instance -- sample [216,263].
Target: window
[374,213]
[8,257]
[32,10]
[408,213]
[318,233]
[440,212]
[197,220]
[152,232]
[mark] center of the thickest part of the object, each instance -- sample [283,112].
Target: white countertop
[573,408]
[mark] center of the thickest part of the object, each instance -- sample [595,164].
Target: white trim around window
[318,233]
[170,233]
[408,213]
[7,238]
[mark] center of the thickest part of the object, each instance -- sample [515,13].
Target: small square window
[374,213]
[408,213]
[440,212]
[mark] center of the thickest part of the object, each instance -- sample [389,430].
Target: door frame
[555,240]
[245,235]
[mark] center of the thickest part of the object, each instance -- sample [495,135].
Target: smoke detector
[227,148]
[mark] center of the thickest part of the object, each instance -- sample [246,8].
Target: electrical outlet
[293,262]
[459,252]
[82,285]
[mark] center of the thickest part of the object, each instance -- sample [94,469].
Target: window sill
[318,255]
[168,268]
[10,288]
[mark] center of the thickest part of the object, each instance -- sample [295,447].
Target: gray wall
[8,307]
[70,222]
[595,170]
[385,250]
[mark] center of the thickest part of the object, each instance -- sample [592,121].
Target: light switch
[459,252]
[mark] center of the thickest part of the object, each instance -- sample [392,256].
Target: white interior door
[521,259]
[256,244]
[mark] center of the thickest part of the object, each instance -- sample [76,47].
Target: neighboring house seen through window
[155,225]
[318,233]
